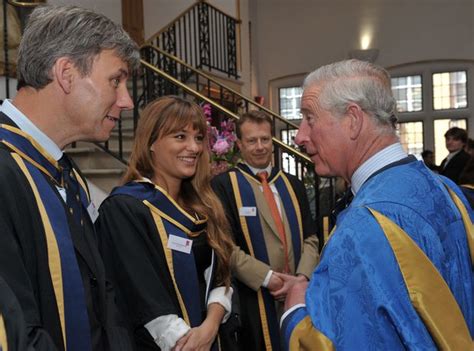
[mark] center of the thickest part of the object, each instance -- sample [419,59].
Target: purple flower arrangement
[224,154]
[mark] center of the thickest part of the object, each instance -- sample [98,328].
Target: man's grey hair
[354,81]
[53,32]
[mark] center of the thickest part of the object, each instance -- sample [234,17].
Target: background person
[405,242]
[429,160]
[469,147]
[72,67]
[268,258]
[163,233]
[454,163]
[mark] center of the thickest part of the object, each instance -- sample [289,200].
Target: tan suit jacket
[250,270]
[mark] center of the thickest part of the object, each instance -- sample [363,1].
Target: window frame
[422,88]
[428,114]
[279,101]
[467,89]
[422,130]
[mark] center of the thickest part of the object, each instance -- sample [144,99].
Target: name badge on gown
[93,213]
[180,244]
[248,211]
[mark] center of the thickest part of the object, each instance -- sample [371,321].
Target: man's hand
[296,294]
[288,282]
[275,283]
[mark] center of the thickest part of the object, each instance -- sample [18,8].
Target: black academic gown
[455,167]
[252,337]
[13,320]
[24,262]
[135,261]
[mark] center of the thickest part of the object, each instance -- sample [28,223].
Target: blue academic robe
[365,293]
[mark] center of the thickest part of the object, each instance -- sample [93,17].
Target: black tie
[340,205]
[69,182]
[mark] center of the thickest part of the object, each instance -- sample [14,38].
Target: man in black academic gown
[267,260]
[72,70]
[453,165]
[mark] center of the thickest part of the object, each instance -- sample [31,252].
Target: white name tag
[247,211]
[179,244]
[93,213]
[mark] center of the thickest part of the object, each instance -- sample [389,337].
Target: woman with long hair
[164,236]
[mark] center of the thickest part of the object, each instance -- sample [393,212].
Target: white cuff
[291,309]
[267,278]
[223,298]
[167,330]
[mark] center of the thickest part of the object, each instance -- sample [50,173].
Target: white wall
[295,37]
[158,13]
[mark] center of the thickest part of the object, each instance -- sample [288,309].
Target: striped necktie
[270,198]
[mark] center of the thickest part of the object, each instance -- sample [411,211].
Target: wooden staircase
[99,167]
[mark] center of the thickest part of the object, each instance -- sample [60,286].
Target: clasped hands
[281,283]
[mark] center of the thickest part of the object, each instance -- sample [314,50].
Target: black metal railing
[204,37]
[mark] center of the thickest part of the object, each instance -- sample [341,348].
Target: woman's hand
[199,338]
[202,337]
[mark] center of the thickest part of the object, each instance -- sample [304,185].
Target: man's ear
[239,143]
[64,72]
[357,120]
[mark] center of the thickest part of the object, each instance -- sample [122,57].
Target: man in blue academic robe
[397,271]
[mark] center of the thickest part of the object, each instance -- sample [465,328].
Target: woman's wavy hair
[162,117]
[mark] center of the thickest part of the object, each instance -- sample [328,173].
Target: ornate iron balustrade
[202,36]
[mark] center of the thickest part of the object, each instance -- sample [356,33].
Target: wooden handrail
[219,107]
[215,81]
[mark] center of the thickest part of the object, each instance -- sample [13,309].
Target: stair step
[125,134]
[80,150]
[104,179]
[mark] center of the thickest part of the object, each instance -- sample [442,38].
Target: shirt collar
[381,159]
[25,124]
[255,171]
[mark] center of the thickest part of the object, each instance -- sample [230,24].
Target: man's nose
[301,135]
[124,100]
